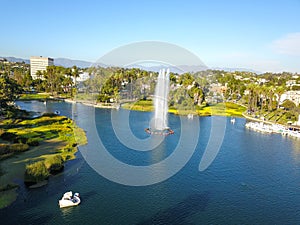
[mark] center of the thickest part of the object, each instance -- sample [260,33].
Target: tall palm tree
[49,76]
[75,74]
[278,92]
[270,97]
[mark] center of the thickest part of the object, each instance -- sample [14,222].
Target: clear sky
[262,35]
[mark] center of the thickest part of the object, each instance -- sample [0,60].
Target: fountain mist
[160,120]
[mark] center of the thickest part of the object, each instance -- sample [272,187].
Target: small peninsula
[35,148]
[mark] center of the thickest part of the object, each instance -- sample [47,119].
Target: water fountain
[159,123]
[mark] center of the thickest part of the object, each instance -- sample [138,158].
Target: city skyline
[263,36]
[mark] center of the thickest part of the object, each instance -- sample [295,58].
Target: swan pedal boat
[69,199]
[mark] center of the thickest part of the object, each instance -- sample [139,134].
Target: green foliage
[287,104]
[18,147]
[32,142]
[141,105]
[13,148]
[36,172]
[4,149]
[103,98]
[9,90]
[54,163]
[8,136]
[296,88]
[34,97]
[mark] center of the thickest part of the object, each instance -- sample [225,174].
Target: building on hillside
[39,63]
[293,96]
[82,77]
[291,83]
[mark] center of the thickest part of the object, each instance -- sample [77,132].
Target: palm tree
[278,92]
[49,76]
[271,98]
[75,74]
[68,73]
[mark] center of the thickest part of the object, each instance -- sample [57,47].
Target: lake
[254,178]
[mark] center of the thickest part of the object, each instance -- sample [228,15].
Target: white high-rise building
[39,63]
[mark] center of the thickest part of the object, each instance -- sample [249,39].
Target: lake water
[254,179]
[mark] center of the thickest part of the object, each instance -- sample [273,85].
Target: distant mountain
[236,69]
[14,59]
[175,69]
[180,69]
[57,61]
[71,62]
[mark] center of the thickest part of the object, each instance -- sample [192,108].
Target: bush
[13,148]
[21,140]
[36,172]
[74,145]
[67,148]
[32,142]
[49,114]
[18,147]
[55,163]
[4,149]
[7,136]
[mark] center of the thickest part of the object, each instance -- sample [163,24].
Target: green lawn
[220,109]
[141,105]
[57,135]
[39,96]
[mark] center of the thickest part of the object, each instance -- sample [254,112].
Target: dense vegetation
[189,92]
[41,145]
[21,134]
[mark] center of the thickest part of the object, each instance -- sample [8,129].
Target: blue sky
[259,35]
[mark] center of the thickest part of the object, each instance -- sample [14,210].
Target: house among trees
[293,96]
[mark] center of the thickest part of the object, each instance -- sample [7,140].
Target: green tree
[9,91]
[289,105]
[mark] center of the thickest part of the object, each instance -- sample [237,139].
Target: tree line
[261,93]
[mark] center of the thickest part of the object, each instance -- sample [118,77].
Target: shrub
[49,114]
[21,140]
[12,148]
[36,172]
[7,136]
[18,147]
[68,148]
[32,142]
[4,149]
[74,145]
[55,163]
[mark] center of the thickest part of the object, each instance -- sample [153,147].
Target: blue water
[255,179]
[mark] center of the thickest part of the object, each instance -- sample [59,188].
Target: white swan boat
[232,120]
[69,199]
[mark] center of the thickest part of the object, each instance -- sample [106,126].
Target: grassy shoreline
[220,109]
[38,96]
[57,138]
